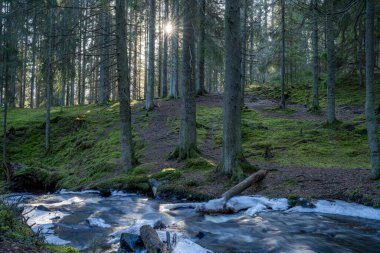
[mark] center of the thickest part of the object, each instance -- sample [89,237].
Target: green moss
[348,92]
[61,249]
[143,169]
[199,163]
[182,191]
[292,200]
[170,174]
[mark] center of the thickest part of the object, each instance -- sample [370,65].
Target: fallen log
[219,206]
[151,240]
[240,187]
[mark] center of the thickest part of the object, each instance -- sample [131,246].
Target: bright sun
[169,28]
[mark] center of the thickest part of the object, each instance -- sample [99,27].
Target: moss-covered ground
[348,92]
[85,143]
[296,142]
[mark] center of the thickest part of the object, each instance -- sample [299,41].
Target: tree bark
[174,52]
[33,71]
[49,76]
[151,30]
[232,148]
[282,102]
[200,76]
[331,118]
[315,105]
[103,82]
[373,138]
[244,10]
[187,135]
[164,83]
[123,86]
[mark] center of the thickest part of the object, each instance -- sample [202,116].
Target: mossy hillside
[85,143]
[296,142]
[348,92]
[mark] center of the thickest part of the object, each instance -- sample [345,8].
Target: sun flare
[169,28]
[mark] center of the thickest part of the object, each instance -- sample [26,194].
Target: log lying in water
[151,240]
[218,206]
[240,187]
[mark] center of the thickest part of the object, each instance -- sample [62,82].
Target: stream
[92,223]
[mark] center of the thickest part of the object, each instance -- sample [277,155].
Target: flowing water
[88,222]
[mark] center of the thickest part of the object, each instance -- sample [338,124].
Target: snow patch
[55,240]
[178,206]
[339,207]
[256,204]
[122,193]
[236,204]
[97,222]
[42,222]
[252,211]
[64,191]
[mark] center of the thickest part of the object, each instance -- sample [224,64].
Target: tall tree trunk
[201,49]
[64,63]
[359,48]
[282,102]
[165,53]
[103,55]
[72,81]
[330,64]
[232,148]
[24,70]
[373,138]
[146,52]
[5,113]
[174,52]
[160,37]
[151,30]
[123,86]
[33,71]
[244,10]
[135,63]
[314,42]
[81,98]
[49,83]
[187,134]
[38,85]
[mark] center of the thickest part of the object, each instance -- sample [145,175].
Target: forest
[189,126]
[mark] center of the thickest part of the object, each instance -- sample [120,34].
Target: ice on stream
[42,222]
[339,207]
[45,212]
[97,222]
[252,205]
[64,191]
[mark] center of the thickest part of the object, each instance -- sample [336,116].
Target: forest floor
[305,157]
[283,180]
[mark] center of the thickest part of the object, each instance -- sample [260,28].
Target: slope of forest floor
[304,156]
